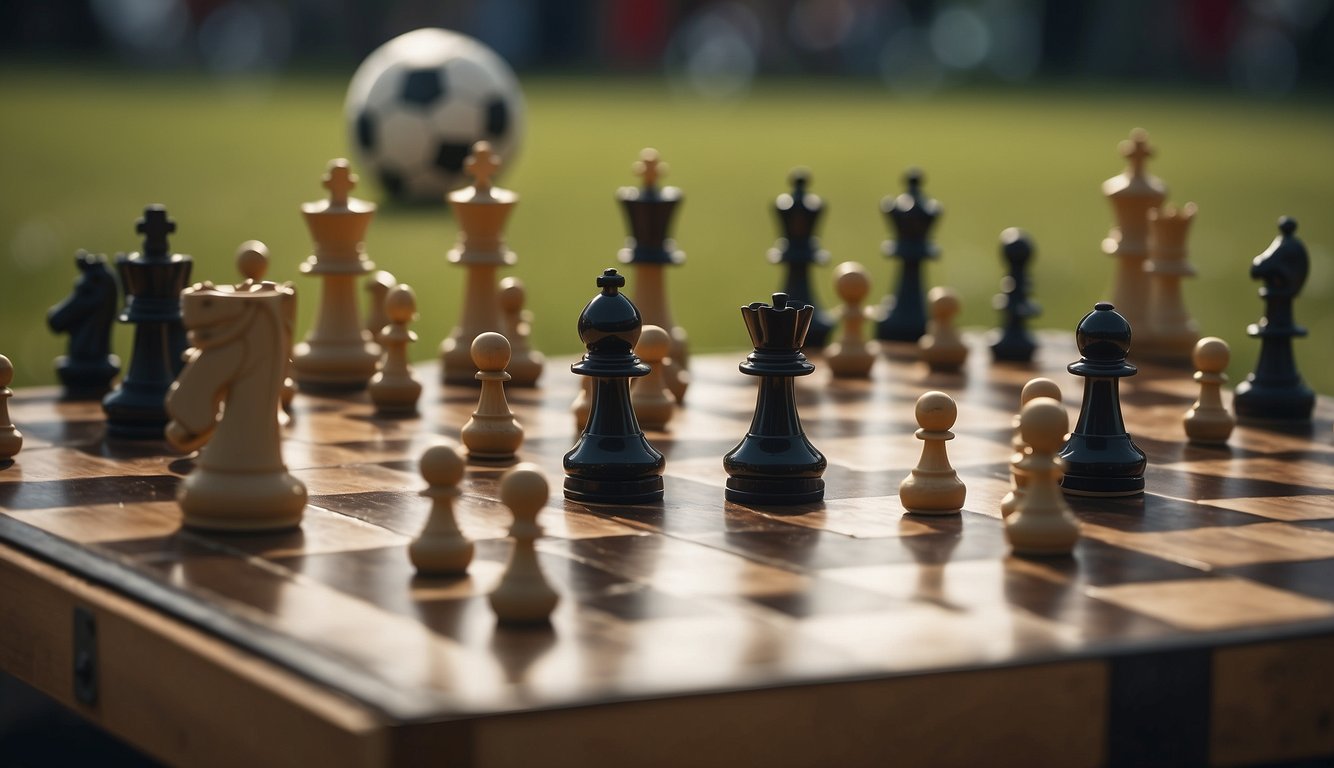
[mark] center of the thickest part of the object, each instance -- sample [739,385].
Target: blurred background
[228,111]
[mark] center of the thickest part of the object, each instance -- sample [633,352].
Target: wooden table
[1192,626]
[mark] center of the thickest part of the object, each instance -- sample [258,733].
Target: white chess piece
[492,434]
[441,548]
[934,487]
[524,596]
[1033,389]
[1208,422]
[11,440]
[852,355]
[649,396]
[525,362]
[942,348]
[395,389]
[1042,524]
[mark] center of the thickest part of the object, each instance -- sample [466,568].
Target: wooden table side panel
[1273,702]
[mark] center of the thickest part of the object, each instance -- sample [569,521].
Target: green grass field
[83,151]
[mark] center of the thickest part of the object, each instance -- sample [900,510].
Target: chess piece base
[86,382]
[136,413]
[1100,485]
[239,502]
[774,491]
[1255,402]
[331,368]
[640,491]
[1012,348]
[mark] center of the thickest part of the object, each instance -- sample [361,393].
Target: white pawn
[395,388]
[934,487]
[852,355]
[652,401]
[583,403]
[1043,523]
[525,362]
[441,548]
[524,596]
[492,434]
[11,440]
[1208,422]
[1035,388]
[942,348]
[252,263]
[378,286]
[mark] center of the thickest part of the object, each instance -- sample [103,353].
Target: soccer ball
[418,103]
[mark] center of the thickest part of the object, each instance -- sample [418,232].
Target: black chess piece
[648,213]
[1014,343]
[153,280]
[775,464]
[612,462]
[911,215]
[798,249]
[1275,390]
[1100,458]
[87,368]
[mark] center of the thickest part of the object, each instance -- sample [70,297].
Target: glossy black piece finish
[612,462]
[798,249]
[775,464]
[911,215]
[153,280]
[648,213]
[1275,391]
[87,368]
[1100,457]
[1014,343]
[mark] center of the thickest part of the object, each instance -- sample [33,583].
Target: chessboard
[1192,626]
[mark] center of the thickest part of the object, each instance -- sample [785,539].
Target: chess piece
[1013,342]
[481,210]
[152,280]
[583,403]
[1171,333]
[1042,524]
[1274,391]
[934,487]
[649,395]
[1132,193]
[912,215]
[377,288]
[1100,458]
[87,368]
[1208,422]
[441,549]
[523,596]
[775,464]
[612,462]
[852,355]
[648,212]
[942,348]
[525,362]
[1033,389]
[252,263]
[11,440]
[395,388]
[492,434]
[798,249]
[239,482]
[338,355]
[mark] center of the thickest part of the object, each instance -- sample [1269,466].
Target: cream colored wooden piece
[583,403]
[481,211]
[649,396]
[933,488]
[11,439]
[337,354]
[377,288]
[852,356]
[441,549]
[239,482]
[1208,422]
[492,434]
[524,597]
[1042,524]
[525,362]
[395,388]
[1169,334]
[942,347]
[252,263]
[1132,194]
[1034,388]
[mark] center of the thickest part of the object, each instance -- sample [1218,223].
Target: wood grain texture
[696,599]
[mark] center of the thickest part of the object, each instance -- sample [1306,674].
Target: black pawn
[153,280]
[612,463]
[87,368]
[775,464]
[1100,458]
[912,215]
[1015,343]
[799,248]
[1275,390]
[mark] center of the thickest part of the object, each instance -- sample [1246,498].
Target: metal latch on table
[85,656]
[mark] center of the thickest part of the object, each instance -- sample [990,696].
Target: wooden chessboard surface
[1179,619]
